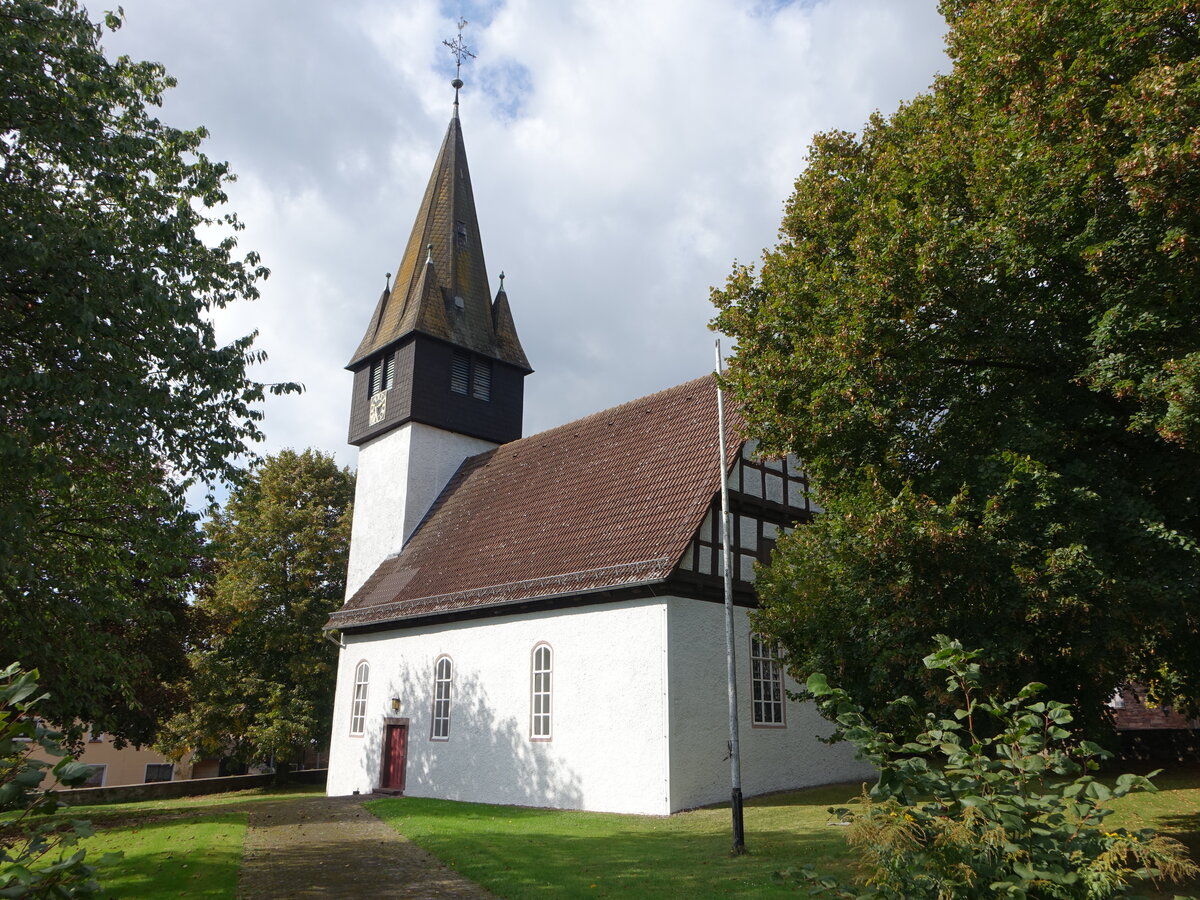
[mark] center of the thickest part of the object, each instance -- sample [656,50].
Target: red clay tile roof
[607,501]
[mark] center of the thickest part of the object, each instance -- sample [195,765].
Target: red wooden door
[395,757]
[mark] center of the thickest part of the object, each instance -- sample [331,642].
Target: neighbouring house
[539,620]
[1152,733]
[112,765]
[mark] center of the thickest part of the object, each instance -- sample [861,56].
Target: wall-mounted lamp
[395,704]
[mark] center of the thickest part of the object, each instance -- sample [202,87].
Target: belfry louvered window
[460,373]
[383,374]
[481,381]
[471,375]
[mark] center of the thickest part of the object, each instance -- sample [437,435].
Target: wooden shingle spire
[441,287]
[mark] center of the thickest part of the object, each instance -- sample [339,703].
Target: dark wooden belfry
[438,349]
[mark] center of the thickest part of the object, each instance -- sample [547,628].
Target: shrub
[993,802]
[38,853]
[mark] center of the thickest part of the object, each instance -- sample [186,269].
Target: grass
[192,846]
[182,847]
[188,857]
[519,853]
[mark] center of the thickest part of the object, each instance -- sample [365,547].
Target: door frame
[390,722]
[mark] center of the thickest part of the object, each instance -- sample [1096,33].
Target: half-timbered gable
[767,498]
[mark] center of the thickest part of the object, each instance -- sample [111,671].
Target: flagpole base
[739,828]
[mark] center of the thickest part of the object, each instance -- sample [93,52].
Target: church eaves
[441,289]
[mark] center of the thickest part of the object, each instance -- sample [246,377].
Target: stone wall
[162,790]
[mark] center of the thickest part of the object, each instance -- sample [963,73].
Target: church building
[539,620]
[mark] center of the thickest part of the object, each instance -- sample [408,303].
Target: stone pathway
[332,847]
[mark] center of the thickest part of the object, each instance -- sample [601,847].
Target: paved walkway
[332,847]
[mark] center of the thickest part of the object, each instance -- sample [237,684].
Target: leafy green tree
[980,332]
[113,389]
[992,801]
[38,854]
[261,683]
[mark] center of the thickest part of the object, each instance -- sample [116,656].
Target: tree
[980,332]
[993,801]
[261,684]
[38,855]
[114,392]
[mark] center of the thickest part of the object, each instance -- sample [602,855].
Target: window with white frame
[443,676]
[96,776]
[543,662]
[358,708]
[766,682]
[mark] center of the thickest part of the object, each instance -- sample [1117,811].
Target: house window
[383,374]
[159,772]
[766,682]
[96,777]
[471,375]
[540,706]
[358,708]
[443,674]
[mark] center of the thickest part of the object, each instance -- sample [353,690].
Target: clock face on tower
[378,408]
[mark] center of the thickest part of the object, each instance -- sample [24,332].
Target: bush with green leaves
[39,856]
[995,801]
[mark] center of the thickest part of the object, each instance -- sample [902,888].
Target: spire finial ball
[456,83]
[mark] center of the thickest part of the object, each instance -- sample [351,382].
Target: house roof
[441,287]
[611,500]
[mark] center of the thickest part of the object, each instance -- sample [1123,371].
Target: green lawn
[192,847]
[517,852]
[176,857]
[185,847]
[521,853]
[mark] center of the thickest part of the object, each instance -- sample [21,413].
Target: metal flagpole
[735,755]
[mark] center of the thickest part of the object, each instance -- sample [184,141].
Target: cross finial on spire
[460,50]
[502,282]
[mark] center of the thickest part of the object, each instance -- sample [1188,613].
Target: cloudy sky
[623,154]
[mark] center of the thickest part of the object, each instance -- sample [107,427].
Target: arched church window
[358,706]
[540,702]
[443,674]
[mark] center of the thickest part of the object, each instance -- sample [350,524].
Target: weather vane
[460,50]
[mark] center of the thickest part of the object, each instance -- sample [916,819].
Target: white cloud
[623,154]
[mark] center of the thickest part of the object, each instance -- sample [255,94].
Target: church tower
[439,374]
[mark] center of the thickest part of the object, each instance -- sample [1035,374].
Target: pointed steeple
[441,288]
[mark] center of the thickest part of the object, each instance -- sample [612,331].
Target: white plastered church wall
[608,747]
[773,758]
[400,474]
